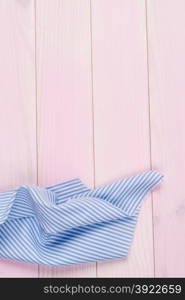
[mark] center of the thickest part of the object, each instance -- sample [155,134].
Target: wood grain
[121,115]
[166,39]
[64,93]
[99,94]
[17,113]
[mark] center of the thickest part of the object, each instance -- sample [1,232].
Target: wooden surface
[95,89]
[121,114]
[17,113]
[65,126]
[167,91]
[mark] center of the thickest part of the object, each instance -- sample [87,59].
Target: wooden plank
[17,114]
[166,39]
[64,101]
[121,115]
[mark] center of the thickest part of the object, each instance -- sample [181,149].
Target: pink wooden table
[95,89]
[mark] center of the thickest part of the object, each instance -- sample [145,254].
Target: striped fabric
[69,223]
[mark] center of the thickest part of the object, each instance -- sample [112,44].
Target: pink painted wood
[93,113]
[121,115]
[167,91]
[17,113]
[65,128]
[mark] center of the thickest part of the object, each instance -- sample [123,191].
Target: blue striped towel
[69,223]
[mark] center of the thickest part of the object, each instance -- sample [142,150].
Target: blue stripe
[68,223]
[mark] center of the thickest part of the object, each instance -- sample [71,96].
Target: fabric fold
[69,223]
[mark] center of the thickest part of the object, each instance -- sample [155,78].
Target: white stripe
[68,223]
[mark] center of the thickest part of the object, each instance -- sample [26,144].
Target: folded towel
[69,223]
